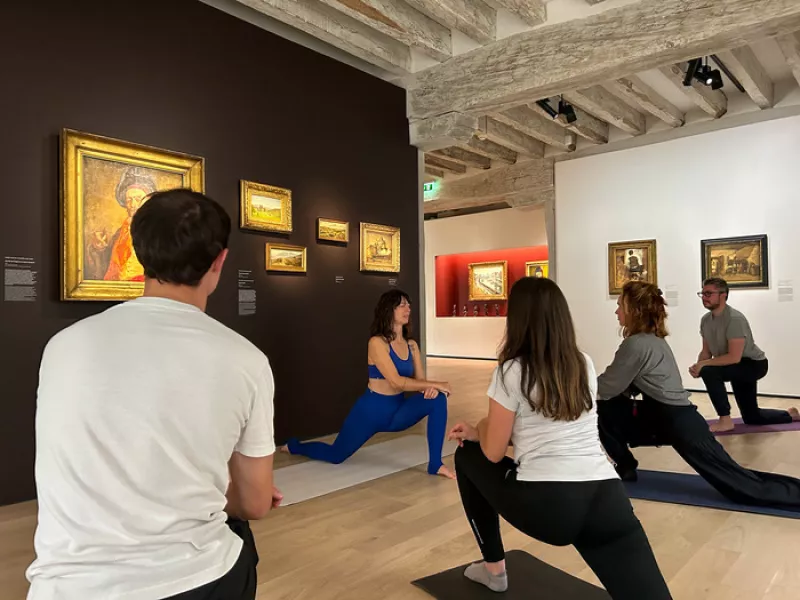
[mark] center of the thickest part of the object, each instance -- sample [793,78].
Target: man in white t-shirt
[154,431]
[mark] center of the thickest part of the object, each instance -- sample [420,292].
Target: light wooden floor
[370,541]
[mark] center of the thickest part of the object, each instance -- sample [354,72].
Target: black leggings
[240,582]
[625,423]
[595,516]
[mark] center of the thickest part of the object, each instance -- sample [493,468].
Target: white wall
[734,182]
[474,337]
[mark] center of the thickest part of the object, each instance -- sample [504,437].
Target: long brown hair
[383,321]
[540,334]
[645,309]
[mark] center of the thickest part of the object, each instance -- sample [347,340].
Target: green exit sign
[427,187]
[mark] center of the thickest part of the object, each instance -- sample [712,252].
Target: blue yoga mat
[692,490]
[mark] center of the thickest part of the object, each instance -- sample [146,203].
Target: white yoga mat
[315,478]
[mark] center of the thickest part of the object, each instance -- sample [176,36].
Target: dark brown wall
[184,76]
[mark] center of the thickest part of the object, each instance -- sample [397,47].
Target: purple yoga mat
[740,427]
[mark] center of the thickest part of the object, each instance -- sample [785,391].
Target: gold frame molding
[648,246]
[385,229]
[76,145]
[284,195]
[346,240]
[471,269]
[270,246]
[537,263]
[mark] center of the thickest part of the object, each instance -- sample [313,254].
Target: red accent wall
[452,277]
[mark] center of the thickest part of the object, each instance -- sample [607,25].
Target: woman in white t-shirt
[560,488]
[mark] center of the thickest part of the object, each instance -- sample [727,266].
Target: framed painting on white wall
[631,261]
[741,261]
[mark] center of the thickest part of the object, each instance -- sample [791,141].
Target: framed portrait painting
[741,261]
[631,261]
[103,183]
[380,248]
[488,281]
[283,257]
[265,207]
[332,230]
[537,268]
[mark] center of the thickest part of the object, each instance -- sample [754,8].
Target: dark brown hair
[383,321]
[540,334]
[719,283]
[645,309]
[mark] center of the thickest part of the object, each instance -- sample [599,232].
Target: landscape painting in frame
[537,268]
[380,248]
[104,182]
[488,281]
[265,207]
[741,261]
[283,257]
[631,261]
[332,230]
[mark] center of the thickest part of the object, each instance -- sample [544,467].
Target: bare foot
[724,424]
[445,472]
[284,449]
[794,413]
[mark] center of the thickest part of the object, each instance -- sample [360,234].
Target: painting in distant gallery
[283,257]
[741,261]
[265,207]
[380,248]
[488,281]
[333,231]
[537,268]
[631,261]
[105,182]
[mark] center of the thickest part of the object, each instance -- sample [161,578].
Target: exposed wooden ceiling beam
[434,172]
[790,45]
[530,175]
[606,106]
[338,30]
[516,200]
[443,131]
[473,18]
[586,126]
[581,53]
[532,12]
[465,157]
[714,102]
[490,150]
[505,135]
[754,79]
[637,92]
[449,166]
[401,22]
[595,1]
[526,119]
[531,198]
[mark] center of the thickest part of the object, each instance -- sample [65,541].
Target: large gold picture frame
[380,248]
[104,181]
[265,207]
[488,280]
[631,261]
[285,257]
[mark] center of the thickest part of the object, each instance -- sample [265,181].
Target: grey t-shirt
[645,361]
[729,325]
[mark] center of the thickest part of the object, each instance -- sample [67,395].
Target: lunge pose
[644,364]
[395,367]
[560,488]
[730,354]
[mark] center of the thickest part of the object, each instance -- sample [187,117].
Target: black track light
[545,106]
[565,109]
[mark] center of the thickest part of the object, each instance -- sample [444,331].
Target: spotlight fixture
[545,106]
[565,110]
[698,69]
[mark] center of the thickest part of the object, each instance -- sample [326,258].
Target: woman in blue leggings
[395,367]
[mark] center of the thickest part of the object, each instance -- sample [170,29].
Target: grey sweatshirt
[646,362]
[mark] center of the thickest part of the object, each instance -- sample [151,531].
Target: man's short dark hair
[719,283]
[178,234]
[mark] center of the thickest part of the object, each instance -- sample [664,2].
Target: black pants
[626,424]
[595,516]
[240,582]
[744,378]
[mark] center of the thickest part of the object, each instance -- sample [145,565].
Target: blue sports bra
[405,368]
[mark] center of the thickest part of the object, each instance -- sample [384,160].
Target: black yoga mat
[691,490]
[528,577]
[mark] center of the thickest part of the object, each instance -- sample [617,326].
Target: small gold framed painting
[283,257]
[380,248]
[104,182]
[333,231]
[631,261]
[488,281]
[537,268]
[741,261]
[265,207]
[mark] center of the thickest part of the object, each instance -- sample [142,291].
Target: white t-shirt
[139,411]
[546,449]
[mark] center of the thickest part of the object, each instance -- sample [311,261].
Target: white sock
[478,573]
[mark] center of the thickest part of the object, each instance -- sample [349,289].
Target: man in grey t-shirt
[730,354]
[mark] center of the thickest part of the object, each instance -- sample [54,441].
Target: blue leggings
[374,413]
